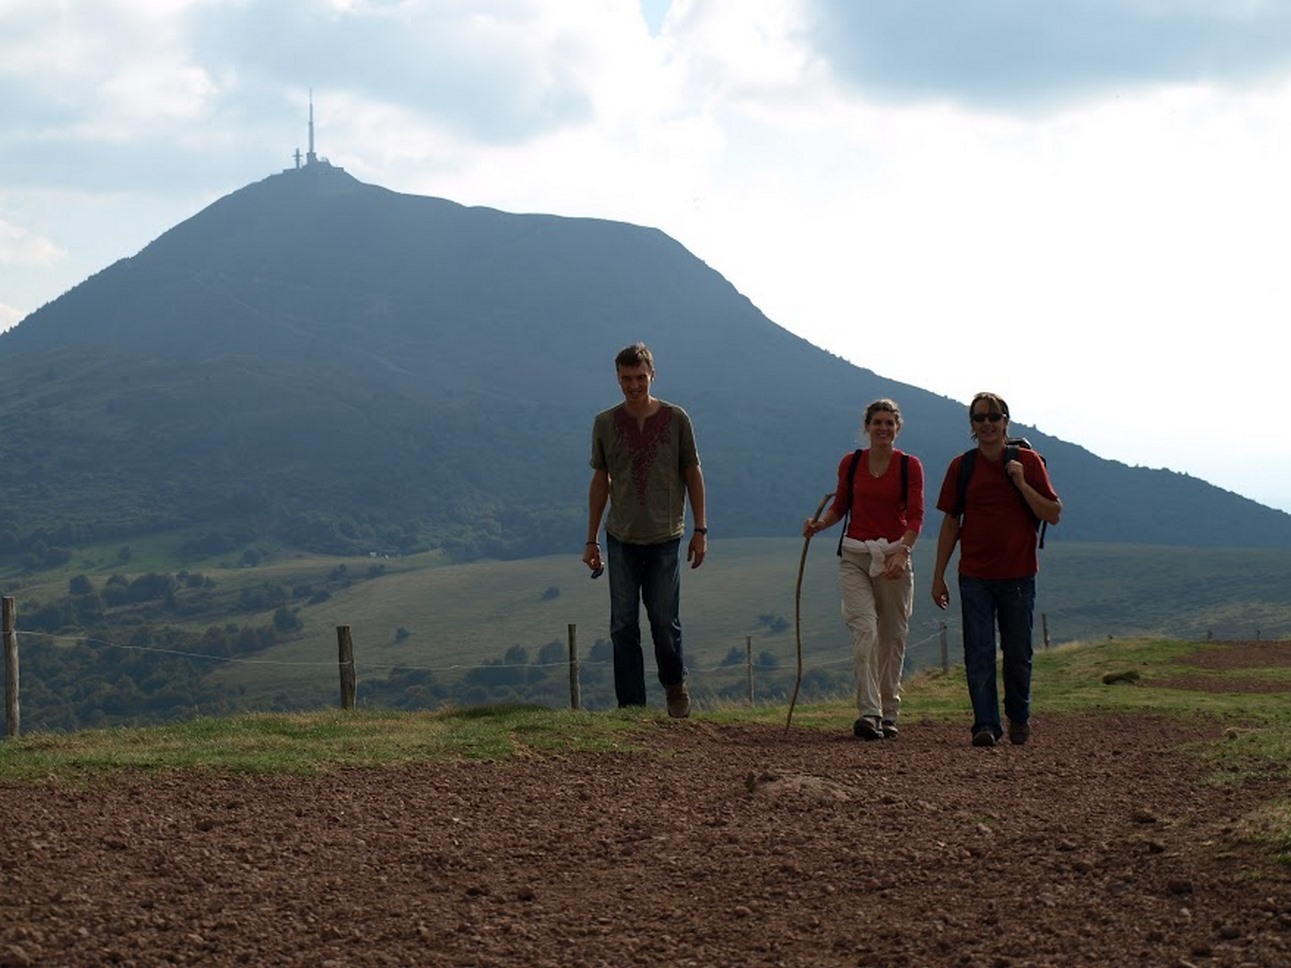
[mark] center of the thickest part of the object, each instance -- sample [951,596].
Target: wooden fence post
[575,700]
[945,653]
[748,666]
[11,717]
[1044,624]
[345,648]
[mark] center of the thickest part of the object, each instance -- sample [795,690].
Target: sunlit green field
[745,597]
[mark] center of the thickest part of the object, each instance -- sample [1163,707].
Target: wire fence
[763,674]
[107,644]
[766,674]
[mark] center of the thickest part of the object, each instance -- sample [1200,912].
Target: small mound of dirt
[797,784]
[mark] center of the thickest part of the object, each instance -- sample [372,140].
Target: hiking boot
[678,701]
[890,729]
[984,737]
[867,728]
[1019,733]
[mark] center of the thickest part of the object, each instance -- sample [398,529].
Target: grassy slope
[460,616]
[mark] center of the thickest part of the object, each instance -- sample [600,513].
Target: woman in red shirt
[880,492]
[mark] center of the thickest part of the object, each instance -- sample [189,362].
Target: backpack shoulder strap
[851,490]
[967,461]
[905,480]
[1011,453]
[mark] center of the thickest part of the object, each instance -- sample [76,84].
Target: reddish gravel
[1098,843]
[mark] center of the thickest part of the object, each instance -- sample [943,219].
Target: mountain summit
[335,366]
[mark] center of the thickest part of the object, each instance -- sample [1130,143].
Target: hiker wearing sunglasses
[645,467]
[994,523]
[880,496]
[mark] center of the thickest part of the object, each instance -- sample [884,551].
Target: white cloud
[160,91]
[9,316]
[21,247]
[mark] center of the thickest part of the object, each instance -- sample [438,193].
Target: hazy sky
[1084,205]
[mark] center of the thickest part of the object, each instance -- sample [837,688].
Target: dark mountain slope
[307,266]
[334,365]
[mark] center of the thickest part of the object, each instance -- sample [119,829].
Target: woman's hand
[898,562]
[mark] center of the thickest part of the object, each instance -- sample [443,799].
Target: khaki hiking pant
[877,613]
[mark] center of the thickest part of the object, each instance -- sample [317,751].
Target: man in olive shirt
[645,466]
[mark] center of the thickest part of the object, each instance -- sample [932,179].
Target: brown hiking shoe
[1019,733]
[678,701]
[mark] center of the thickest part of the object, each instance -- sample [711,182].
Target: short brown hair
[635,355]
[995,401]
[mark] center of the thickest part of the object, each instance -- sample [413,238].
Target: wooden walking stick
[797,608]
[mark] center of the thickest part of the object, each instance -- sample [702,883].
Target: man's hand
[940,593]
[698,548]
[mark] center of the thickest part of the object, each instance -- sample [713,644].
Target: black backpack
[851,489]
[1011,447]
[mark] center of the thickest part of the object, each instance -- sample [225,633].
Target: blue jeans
[1010,602]
[649,574]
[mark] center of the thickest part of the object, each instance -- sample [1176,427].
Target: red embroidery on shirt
[644,443]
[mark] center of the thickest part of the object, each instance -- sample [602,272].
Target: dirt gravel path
[1096,843]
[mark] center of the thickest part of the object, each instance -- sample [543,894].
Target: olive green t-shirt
[647,466]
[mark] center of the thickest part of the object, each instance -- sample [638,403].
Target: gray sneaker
[678,701]
[890,730]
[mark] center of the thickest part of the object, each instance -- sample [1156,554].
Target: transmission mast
[310,157]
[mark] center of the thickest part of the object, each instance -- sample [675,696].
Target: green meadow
[420,613]
[746,597]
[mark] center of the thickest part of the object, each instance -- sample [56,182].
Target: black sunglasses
[994,417]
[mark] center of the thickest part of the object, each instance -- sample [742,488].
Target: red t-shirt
[997,535]
[879,509]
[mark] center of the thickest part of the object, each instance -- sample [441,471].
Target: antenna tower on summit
[310,157]
[311,160]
